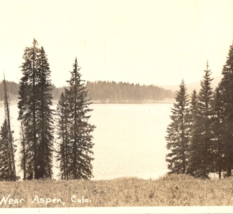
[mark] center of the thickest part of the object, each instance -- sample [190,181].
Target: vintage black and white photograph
[116,104]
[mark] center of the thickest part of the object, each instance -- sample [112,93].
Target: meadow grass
[170,190]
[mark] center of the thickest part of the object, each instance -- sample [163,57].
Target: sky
[139,41]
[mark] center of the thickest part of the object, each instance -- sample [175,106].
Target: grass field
[172,190]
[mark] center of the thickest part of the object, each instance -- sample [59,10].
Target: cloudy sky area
[139,41]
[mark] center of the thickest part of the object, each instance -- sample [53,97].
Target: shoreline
[165,101]
[139,102]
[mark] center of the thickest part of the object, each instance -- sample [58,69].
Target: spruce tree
[63,150]
[177,133]
[28,100]
[80,138]
[35,114]
[11,146]
[218,144]
[226,98]
[193,156]
[7,147]
[44,117]
[202,144]
[5,160]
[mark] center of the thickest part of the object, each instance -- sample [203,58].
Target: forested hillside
[12,88]
[121,92]
[103,91]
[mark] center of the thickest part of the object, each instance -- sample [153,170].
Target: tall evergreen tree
[5,162]
[63,122]
[202,145]
[35,113]
[193,138]
[28,100]
[11,145]
[218,145]
[226,98]
[7,146]
[80,130]
[177,133]
[44,117]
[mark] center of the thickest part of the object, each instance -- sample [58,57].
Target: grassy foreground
[172,190]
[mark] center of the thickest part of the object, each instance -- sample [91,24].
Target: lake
[129,140]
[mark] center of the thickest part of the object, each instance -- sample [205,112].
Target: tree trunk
[219,173]
[229,171]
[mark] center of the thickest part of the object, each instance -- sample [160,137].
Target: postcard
[116,106]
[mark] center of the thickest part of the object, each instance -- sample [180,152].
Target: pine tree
[202,145]
[226,98]
[35,114]
[80,130]
[177,133]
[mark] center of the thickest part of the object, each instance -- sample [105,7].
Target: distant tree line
[123,92]
[200,135]
[73,144]
[103,91]
[12,89]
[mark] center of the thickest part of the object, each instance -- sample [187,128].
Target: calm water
[129,139]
